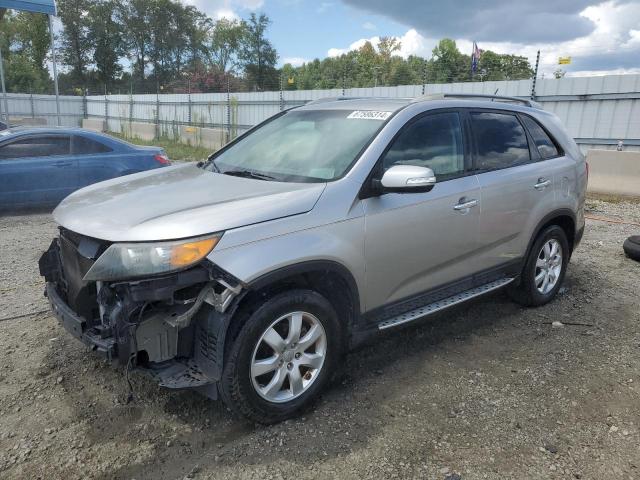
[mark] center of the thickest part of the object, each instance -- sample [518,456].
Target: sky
[601,37]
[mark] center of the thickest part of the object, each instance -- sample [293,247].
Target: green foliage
[176,151]
[258,55]
[170,46]
[25,44]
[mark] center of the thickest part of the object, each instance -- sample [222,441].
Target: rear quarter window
[545,145]
[87,146]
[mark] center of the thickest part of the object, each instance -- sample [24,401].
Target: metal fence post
[33,106]
[85,106]
[228,109]
[535,76]
[424,78]
[106,109]
[281,95]
[157,119]
[189,99]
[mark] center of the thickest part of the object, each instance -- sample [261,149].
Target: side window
[433,141]
[87,146]
[36,147]
[545,145]
[500,139]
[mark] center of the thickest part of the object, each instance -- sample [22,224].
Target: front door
[36,170]
[418,241]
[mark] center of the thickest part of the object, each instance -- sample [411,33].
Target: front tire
[544,269]
[282,358]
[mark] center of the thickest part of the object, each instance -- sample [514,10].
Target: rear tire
[544,269]
[273,341]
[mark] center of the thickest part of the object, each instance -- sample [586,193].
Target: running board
[444,303]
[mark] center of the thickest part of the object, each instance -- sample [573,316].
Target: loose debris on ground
[486,391]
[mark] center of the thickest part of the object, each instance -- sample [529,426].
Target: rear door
[417,241]
[36,170]
[515,187]
[96,161]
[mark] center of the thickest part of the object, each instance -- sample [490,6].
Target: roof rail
[340,98]
[480,96]
[333,99]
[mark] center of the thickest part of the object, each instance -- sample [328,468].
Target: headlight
[126,260]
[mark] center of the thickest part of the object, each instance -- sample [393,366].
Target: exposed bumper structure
[170,327]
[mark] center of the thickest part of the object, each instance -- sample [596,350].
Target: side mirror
[407,179]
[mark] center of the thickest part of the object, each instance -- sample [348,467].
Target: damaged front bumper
[170,327]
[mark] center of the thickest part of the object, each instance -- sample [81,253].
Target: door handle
[466,205]
[62,164]
[542,184]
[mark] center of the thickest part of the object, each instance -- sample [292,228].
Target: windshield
[302,146]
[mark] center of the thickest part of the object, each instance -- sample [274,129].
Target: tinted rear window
[501,140]
[86,146]
[546,147]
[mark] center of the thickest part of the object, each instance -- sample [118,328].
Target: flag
[475,57]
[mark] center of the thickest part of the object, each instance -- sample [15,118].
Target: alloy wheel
[288,357]
[548,266]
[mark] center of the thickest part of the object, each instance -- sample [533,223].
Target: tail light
[162,158]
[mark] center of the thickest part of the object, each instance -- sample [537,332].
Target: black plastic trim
[309,267]
[378,314]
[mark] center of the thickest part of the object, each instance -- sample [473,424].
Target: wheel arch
[564,218]
[329,278]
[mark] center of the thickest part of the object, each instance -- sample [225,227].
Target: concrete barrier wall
[612,172]
[143,131]
[95,124]
[210,138]
[28,121]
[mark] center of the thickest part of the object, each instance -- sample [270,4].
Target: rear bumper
[77,326]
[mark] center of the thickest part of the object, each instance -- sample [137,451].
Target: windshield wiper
[249,174]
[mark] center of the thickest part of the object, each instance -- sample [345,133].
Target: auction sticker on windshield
[369,115]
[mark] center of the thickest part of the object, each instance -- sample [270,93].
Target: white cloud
[225,13]
[369,26]
[411,43]
[225,8]
[294,61]
[612,47]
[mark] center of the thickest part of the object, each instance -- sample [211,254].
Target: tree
[76,47]
[106,36]
[559,73]
[25,44]
[224,41]
[258,55]
[448,64]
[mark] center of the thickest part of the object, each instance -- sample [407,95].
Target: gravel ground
[487,390]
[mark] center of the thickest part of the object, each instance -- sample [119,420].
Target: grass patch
[176,151]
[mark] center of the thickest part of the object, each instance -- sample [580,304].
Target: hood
[178,202]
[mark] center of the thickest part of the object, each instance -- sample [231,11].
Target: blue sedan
[41,166]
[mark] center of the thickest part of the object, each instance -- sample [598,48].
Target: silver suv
[248,276]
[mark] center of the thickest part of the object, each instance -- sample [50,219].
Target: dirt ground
[485,391]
